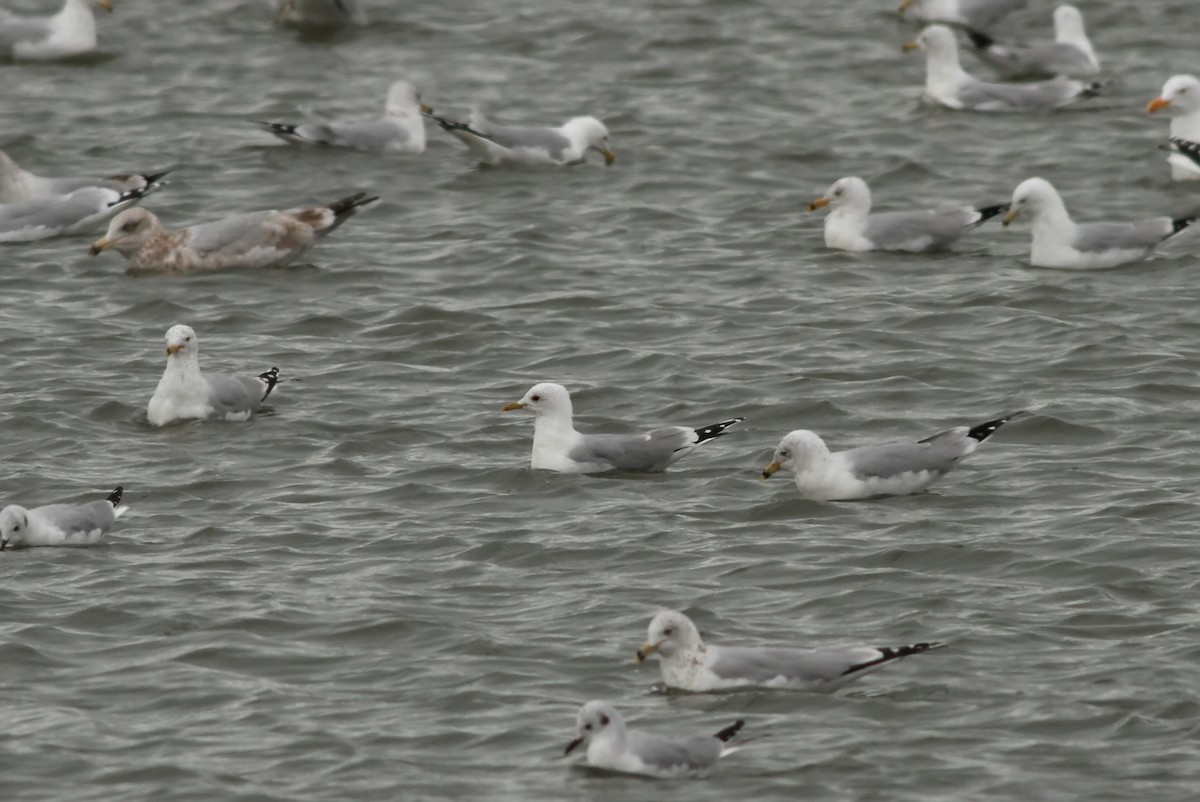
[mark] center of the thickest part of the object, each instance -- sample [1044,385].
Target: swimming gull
[59,524]
[610,745]
[1070,53]
[184,393]
[558,447]
[690,664]
[850,225]
[79,212]
[70,32]
[254,239]
[1180,99]
[401,130]
[975,14]
[947,84]
[1060,242]
[17,185]
[320,13]
[897,468]
[565,145]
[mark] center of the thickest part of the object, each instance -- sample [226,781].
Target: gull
[70,32]
[565,145]
[971,13]
[610,745]
[59,524]
[1070,53]
[690,664]
[947,84]
[18,185]
[897,468]
[1180,98]
[254,239]
[184,393]
[79,212]
[850,225]
[1058,241]
[401,130]
[558,447]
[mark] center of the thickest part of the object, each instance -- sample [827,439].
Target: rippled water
[365,594]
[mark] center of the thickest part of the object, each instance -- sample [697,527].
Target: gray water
[365,594]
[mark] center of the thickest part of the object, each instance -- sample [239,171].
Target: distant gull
[1180,99]
[70,32]
[80,212]
[947,84]
[690,664]
[611,746]
[59,524]
[184,393]
[17,185]
[495,144]
[977,14]
[850,225]
[558,447]
[1058,241]
[401,130]
[1070,54]
[320,13]
[897,468]
[254,239]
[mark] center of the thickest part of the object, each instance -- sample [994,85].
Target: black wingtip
[1184,148]
[138,193]
[152,178]
[888,653]
[285,129]
[988,212]
[715,429]
[1182,223]
[351,202]
[1092,89]
[985,430]
[114,498]
[451,125]
[270,378]
[733,729]
[979,39]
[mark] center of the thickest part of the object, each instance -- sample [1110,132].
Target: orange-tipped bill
[818,203]
[1158,104]
[770,470]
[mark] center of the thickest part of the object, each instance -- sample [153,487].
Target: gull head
[127,232]
[851,192]
[796,450]
[670,632]
[182,342]
[1033,195]
[592,134]
[542,399]
[934,40]
[1180,96]
[14,523]
[1068,23]
[403,99]
[595,720]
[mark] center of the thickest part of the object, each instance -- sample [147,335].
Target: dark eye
[587,727]
[1183,90]
[604,721]
[535,398]
[16,528]
[668,631]
[187,339]
[130,226]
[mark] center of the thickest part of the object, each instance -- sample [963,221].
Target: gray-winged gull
[59,524]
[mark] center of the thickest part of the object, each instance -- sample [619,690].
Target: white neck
[553,435]
[1077,37]
[608,747]
[943,72]
[1052,228]
[1187,126]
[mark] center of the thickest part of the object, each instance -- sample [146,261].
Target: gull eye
[187,339]
[587,727]
[535,398]
[837,192]
[669,631]
[604,721]
[1183,90]
[130,226]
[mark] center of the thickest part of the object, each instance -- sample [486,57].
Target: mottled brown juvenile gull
[17,185]
[401,130]
[610,745]
[1180,99]
[850,225]
[1058,241]
[70,32]
[79,212]
[320,13]
[184,393]
[59,524]
[1070,53]
[558,447]
[256,239]
[977,14]
[561,146]
[690,664]
[897,468]
[947,84]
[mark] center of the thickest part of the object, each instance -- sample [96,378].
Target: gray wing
[53,215]
[1039,59]
[938,453]
[762,665]
[918,231]
[1003,97]
[515,137]
[367,135]
[233,395]
[238,233]
[15,29]
[79,518]
[664,753]
[986,13]
[633,452]
[1142,235]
